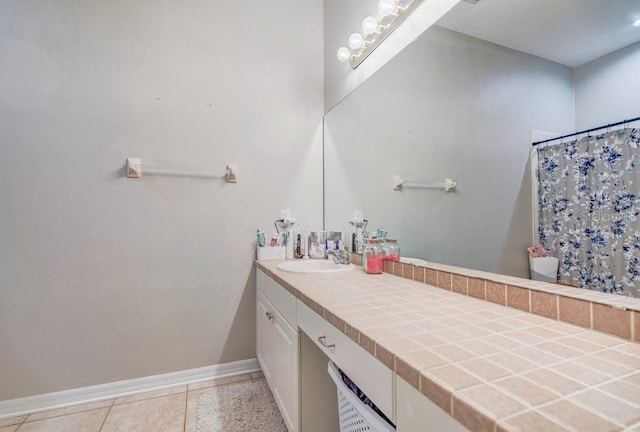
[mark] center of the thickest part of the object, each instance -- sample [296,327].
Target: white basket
[270,253]
[354,415]
[544,269]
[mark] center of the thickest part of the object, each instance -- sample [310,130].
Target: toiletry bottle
[317,245]
[303,244]
[289,245]
[297,253]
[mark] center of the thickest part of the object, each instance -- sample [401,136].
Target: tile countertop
[491,367]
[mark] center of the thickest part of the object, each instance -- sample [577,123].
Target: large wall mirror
[465,101]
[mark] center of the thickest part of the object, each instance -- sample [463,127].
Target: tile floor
[168,410]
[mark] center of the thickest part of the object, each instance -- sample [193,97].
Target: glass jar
[391,250]
[372,257]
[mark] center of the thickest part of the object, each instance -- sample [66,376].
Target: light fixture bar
[386,33]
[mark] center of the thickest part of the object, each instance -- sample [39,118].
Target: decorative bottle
[391,250]
[372,257]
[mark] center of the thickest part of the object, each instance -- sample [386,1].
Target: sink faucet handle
[340,256]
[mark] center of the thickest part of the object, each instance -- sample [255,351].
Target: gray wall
[341,18]
[104,278]
[608,89]
[447,106]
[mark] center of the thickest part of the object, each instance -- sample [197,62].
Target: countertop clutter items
[292,241]
[274,251]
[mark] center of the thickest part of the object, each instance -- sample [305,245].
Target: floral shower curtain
[589,208]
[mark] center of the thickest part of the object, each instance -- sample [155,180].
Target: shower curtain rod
[587,131]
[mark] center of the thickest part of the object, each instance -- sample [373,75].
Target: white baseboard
[61,399]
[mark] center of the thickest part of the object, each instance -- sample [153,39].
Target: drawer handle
[269,315]
[322,339]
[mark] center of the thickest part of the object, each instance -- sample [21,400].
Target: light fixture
[388,7]
[356,41]
[370,25]
[343,54]
[637,23]
[376,29]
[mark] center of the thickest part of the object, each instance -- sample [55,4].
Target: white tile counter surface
[492,367]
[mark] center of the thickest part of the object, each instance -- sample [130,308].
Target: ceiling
[571,32]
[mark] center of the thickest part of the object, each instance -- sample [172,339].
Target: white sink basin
[314,266]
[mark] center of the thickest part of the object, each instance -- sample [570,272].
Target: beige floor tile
[257,375]
[70,410]
[164,414]
[151,394]
[219,381]
[87,421]
[12,421]
[9,428]
[190,423]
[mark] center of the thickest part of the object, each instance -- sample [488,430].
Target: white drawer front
[373,378]
[263,283]
[280,298]
[285,302]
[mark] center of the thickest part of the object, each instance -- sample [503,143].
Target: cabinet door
[264,336]
[285,370]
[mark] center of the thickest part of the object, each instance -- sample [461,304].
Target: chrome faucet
[340,256]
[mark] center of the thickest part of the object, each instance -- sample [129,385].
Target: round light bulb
[386,7]
[343,54]
[369,25]
[356,41]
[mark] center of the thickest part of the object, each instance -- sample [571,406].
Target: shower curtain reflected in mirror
[589,209]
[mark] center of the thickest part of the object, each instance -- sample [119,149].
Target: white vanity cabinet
[277,345]
[415,412]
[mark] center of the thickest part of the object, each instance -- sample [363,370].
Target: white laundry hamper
[544,269]
[355,416]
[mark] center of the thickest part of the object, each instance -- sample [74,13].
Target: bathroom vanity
[443,348]
[280,319]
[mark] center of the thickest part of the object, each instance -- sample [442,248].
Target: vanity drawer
[373,378]
[280,298]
